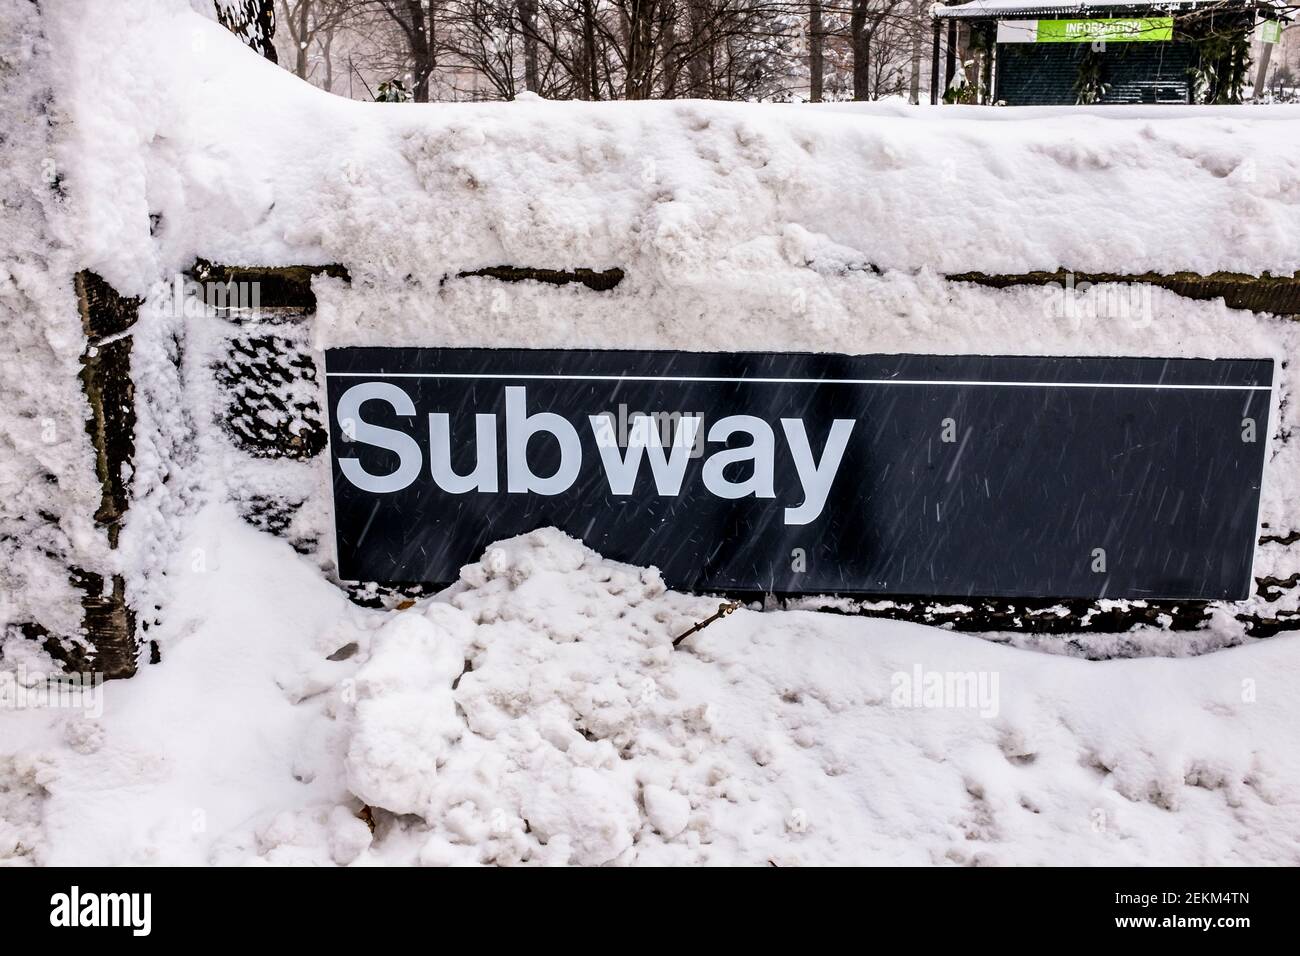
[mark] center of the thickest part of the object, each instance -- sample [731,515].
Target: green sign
[1270,31]
[1129,30]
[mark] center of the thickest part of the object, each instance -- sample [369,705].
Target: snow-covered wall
[244,160]
[735,225]
[48,486]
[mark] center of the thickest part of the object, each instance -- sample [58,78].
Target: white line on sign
[795,381]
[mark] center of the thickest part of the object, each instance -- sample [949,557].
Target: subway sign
[1108,30]
[904,475]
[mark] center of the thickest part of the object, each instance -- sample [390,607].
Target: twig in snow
[725,608]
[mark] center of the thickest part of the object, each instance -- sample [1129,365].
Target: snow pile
[537,713]
[404,730]
[48,490]
[247,164]
[801,738]
[233,726]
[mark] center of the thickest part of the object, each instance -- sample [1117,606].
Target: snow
[48,490]
[537,712]
[246,163]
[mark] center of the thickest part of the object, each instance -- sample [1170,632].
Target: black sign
[870,474]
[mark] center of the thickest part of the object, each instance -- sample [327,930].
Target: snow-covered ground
[537,711]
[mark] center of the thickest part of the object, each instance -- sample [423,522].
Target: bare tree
[914,56]
[508,44]
[528,27]
[416,23]
[310,25]
[816,47]
[590,49]
[865,19]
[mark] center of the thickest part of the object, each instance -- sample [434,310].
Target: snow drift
[537,712]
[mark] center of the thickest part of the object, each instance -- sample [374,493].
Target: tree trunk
[528,25]
[300,39]
[640,50]
[860,43]
[422,57]
[816,41]
[918,37]
[589,49]
[672,61]
[326,44]
[696,74]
